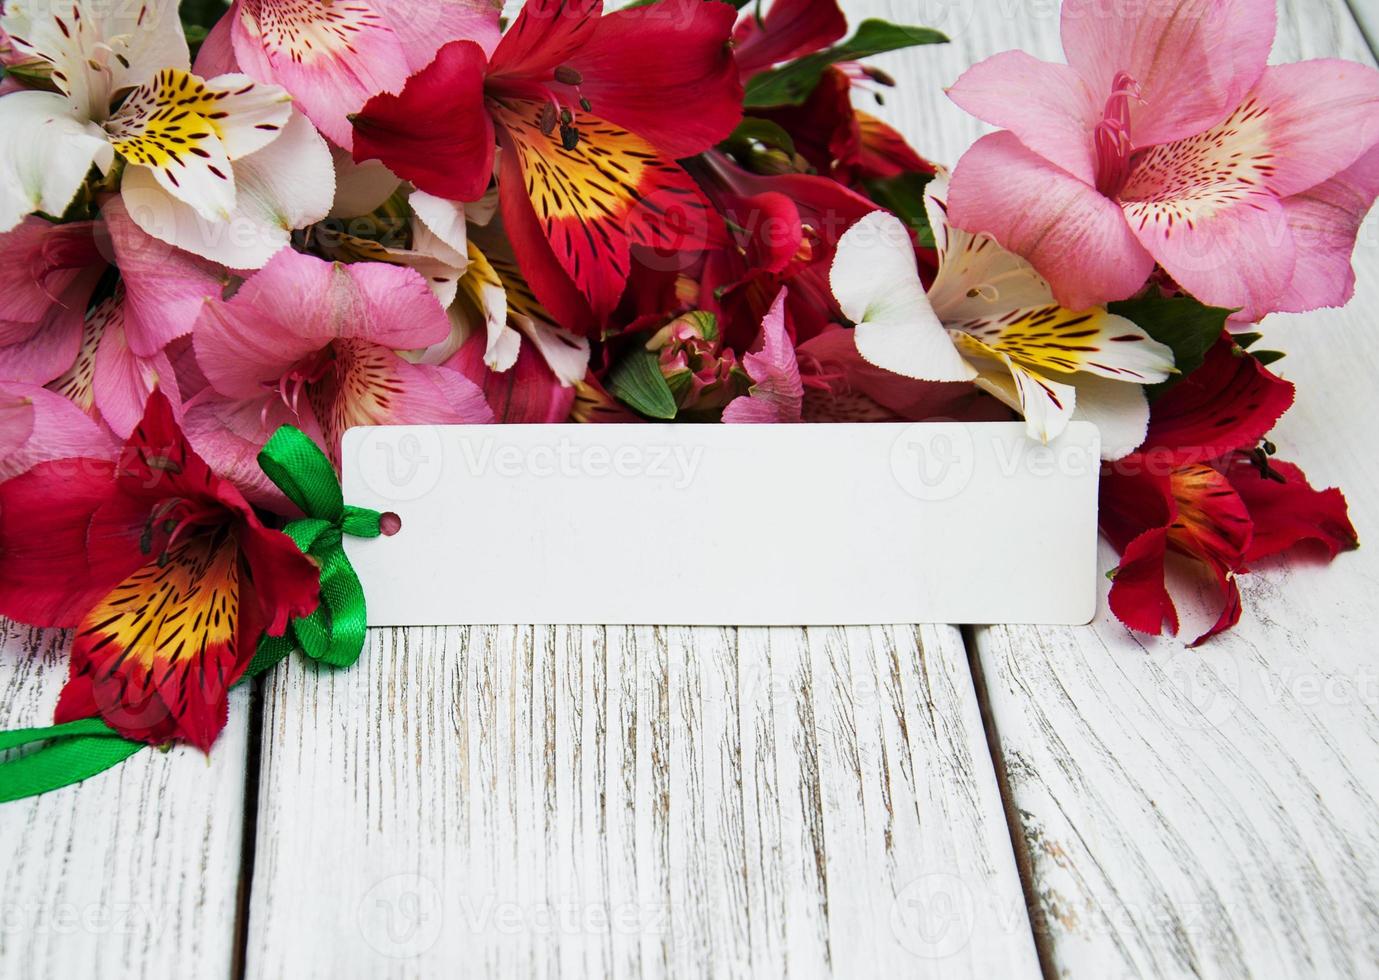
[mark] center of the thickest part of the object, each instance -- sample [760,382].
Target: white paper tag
[704,525]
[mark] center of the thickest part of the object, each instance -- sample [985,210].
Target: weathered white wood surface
[634,803]
[133,874]
[1213,813]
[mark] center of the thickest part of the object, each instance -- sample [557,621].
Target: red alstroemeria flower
[791,29]
[164,570]
[1201,488]
[787,229]
[591,113]
[841,141]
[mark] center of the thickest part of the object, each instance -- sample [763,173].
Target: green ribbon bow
[334,634]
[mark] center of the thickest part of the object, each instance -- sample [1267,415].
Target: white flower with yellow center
[222,167]
[991,319]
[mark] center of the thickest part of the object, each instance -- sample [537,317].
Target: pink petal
[165,287]
[37,425]
[1229,247]
[42,264]
[1324,222]
[54,342]
[332,57]
[1077,239]
[229,435]
[424,26]
[216,55]
[778,393]
[1319,117]
[1194,60]
[124,381]
[297,305]
[1048,106]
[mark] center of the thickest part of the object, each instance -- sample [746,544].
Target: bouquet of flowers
[228,235]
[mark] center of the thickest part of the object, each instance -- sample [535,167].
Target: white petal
[875,279]
[45,155]
[446,221]
[254,113]
[566,354]
[99,49]
[360,187]
[1046,405]
[287,185]
[1120,411]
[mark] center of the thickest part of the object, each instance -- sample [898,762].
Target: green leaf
[637,382]
[794,83]
[202,13]
[1267,357]
[904,197]
[1182,323]
[763,131]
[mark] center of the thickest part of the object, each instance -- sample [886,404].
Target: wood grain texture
[134,873]
[584,802]
[1213,813]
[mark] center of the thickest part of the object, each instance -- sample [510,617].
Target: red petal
[437,133]
[286,582]
[1288,513]
[586,207]
[67,538]
[545,35]
[157,657]
[528,394]
[1138,596]
[792,29]
[885,153]
[1229,403]
[666,73]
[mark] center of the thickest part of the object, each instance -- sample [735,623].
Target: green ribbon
[334,634]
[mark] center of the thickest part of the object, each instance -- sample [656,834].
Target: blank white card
[704,525]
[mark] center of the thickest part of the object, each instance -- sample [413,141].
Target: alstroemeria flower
[777,394]
[840,140]
[791,29]
[334,57]
[108,381]
[1166,139]
[591,113]
[164,570]
[1202,487]
[786,229]
[37,425]
[703,375]
[109,358]
[47,275]
[991,319]
[125,90]
[313,344]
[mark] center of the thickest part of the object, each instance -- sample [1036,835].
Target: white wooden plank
[634,803]
[134,873]
[1213,813]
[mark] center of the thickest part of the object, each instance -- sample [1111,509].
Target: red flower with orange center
[165,571]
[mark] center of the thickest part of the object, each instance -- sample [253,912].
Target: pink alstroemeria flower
[334,57]
[313,344]
[777,393]
[1167,139]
